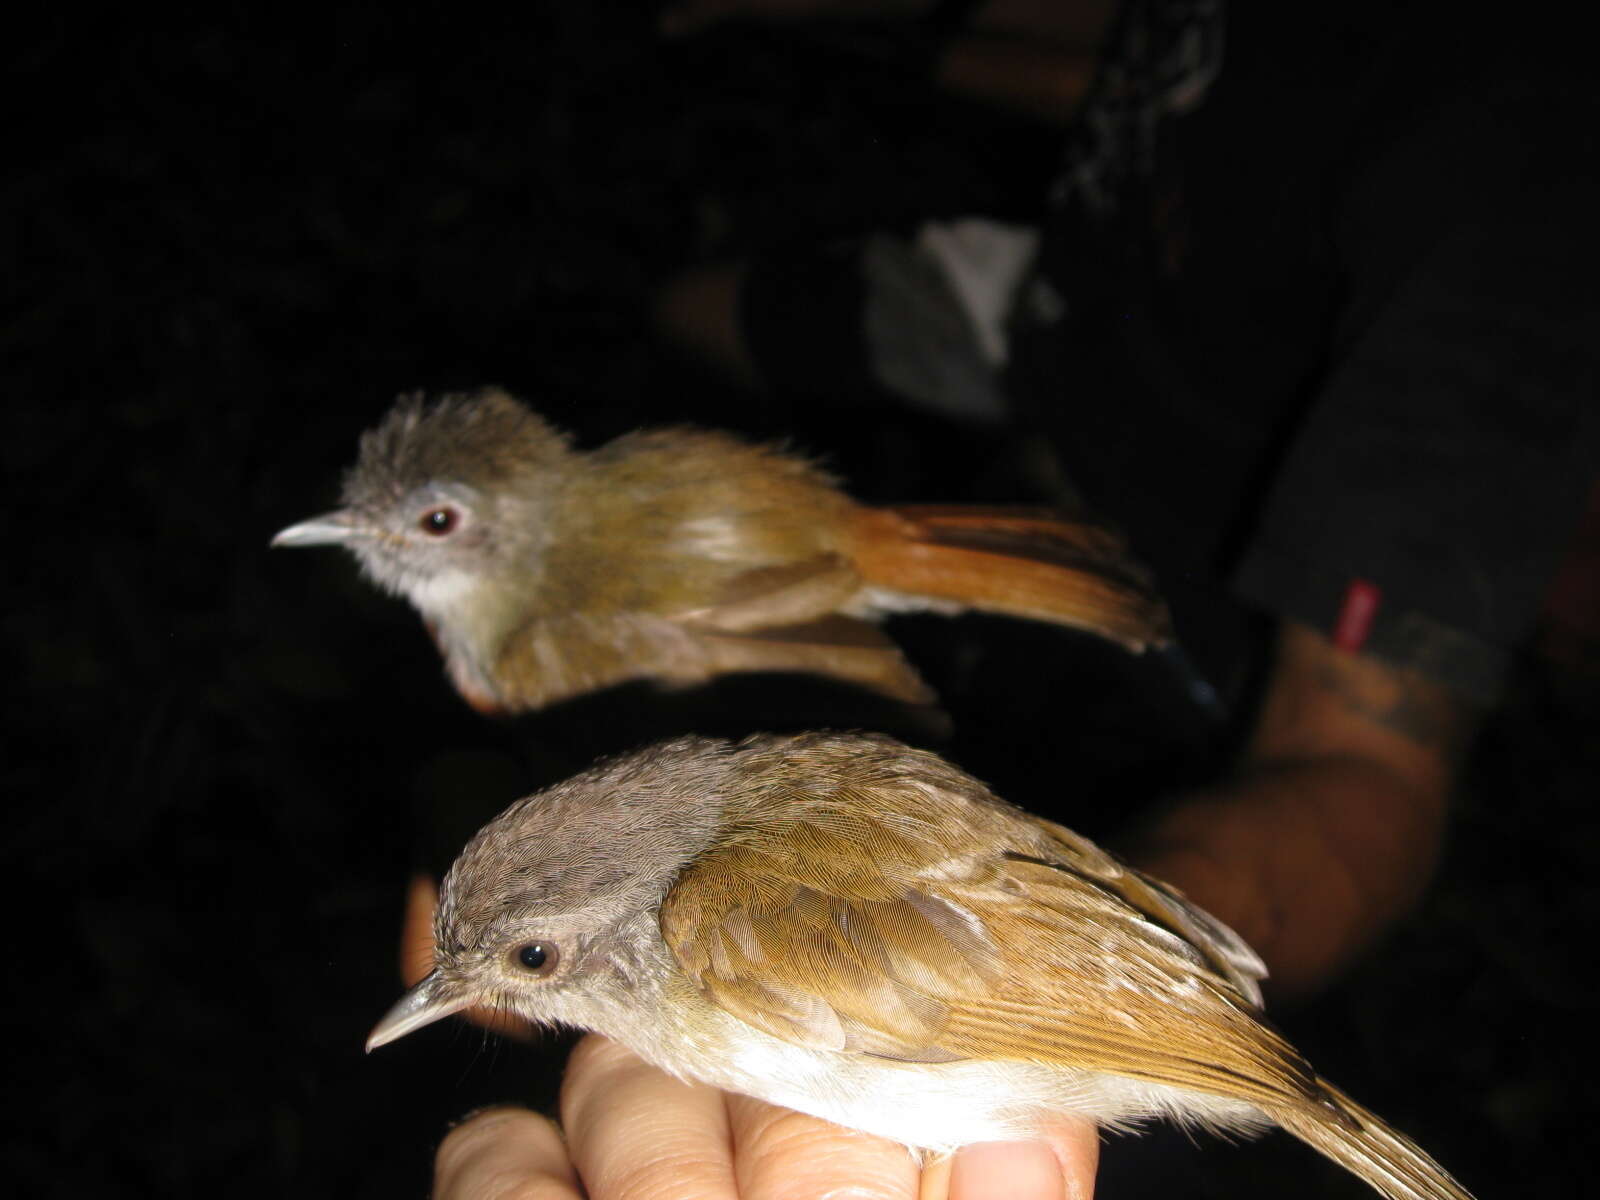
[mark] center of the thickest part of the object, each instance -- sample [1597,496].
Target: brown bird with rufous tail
[677,555]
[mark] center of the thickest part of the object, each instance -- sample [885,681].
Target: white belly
[940,1107]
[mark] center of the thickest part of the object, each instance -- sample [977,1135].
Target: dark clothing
[1341,331]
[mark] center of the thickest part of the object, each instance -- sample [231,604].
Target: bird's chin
[439,595]
[386,573]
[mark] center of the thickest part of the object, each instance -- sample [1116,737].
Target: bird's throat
[459,611]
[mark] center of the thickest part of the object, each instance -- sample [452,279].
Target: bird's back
[665,519]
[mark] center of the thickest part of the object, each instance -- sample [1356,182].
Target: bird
[850,927]
[544,571]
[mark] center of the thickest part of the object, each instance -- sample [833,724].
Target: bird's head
[552,909]
[445,497]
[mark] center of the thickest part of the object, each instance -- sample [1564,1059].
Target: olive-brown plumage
[678,555]
[852,928]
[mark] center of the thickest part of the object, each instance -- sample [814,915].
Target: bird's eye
[538,958]
[440,521]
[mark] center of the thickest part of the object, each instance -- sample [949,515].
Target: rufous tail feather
[1021,562]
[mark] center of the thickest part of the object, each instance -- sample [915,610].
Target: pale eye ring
[537,958]
[440,521]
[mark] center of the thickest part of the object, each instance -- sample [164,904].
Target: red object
[1361,601]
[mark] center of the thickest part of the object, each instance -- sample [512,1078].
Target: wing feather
[830,928]
[556,658]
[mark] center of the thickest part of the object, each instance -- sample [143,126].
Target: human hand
[634,1132]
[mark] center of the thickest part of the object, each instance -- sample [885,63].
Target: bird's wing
[841,648]
[786,618]
[812,936]
[1224,950]
[868,934]
[786,594]
[557,658]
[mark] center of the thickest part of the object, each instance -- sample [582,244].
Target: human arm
[1329,828]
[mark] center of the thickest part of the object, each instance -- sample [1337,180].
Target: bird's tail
[1365,1144]
[1022,562]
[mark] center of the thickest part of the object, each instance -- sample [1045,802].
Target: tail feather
[1022,562]
[1366,1145]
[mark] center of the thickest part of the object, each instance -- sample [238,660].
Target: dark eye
[537,957]
[439,521]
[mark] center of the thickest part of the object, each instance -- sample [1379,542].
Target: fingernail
[1006,1171]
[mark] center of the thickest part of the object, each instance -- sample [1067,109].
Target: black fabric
[1341,325]
[1446,455]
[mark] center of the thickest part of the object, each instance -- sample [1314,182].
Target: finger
[416,956]
[504,1152]
[780,1154]
[635,1133]
[1061,1166]
[1006,1171]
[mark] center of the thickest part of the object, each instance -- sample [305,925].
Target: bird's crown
[479,438]
[611,837]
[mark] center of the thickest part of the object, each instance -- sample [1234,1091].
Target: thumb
[1060,1166]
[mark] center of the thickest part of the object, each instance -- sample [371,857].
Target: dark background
[230,243]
